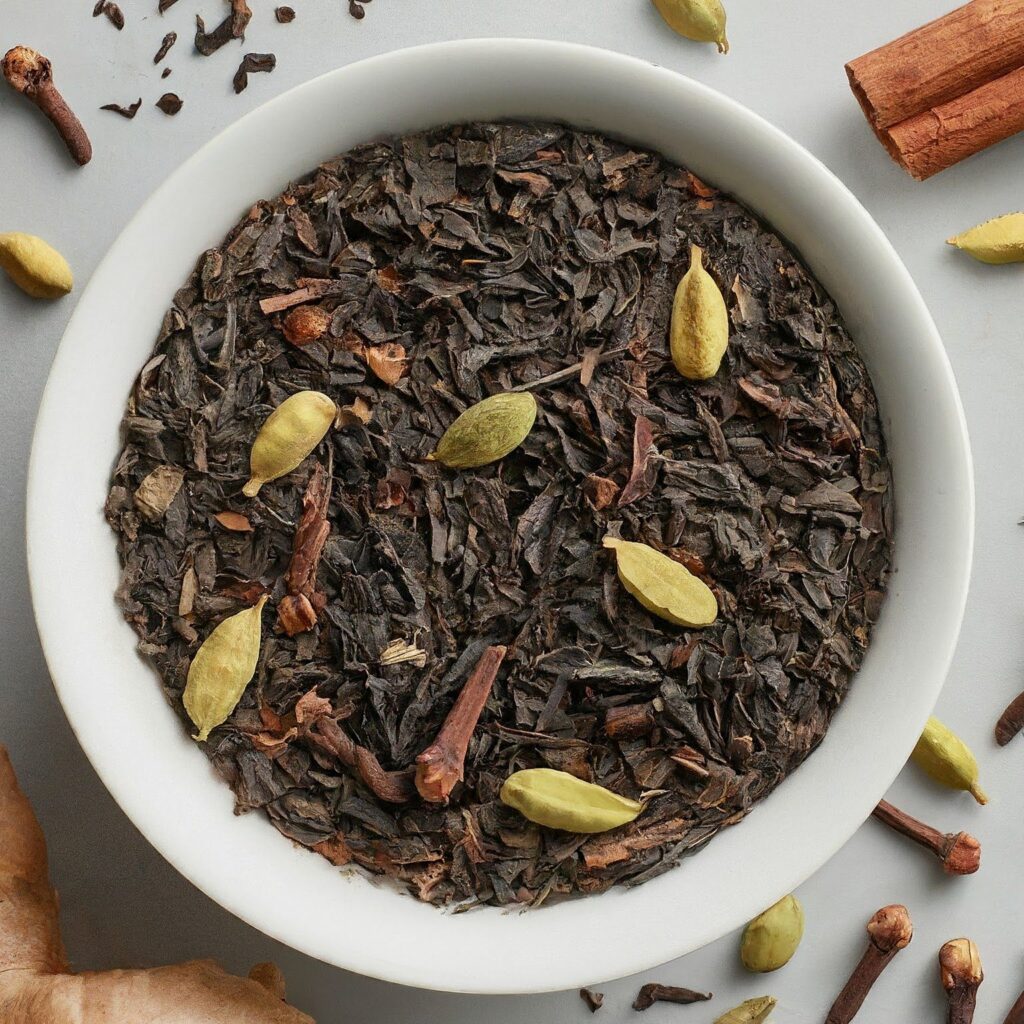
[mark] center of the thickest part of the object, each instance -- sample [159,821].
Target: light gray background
[122,904]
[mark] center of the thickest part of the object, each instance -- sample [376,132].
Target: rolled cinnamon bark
[947,89]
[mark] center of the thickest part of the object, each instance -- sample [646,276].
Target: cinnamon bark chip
[947,89]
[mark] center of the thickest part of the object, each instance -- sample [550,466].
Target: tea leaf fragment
[487,431]
[663,586]
[700,20]
[750,1011]
[947,759]
[156,492]
[1000,240]
[222,668]
[699,329]
[770,939]
[559,800]
[289,434]
[35,266]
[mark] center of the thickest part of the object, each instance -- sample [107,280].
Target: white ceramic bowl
[164,783]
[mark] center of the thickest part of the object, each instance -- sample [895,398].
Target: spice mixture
[408,280]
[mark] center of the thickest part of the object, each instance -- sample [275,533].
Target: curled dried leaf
[158,490]
[234,521]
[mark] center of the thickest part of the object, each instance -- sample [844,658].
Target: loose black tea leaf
[170,103]
[112,11]
[166,5]
[232,27]
[439,269]
[284,15]
[357,9]
[594,1000]
[165,47]
[252,62]
[128,112]
[165,73]
[653,993]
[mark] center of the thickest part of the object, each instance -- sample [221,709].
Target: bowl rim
[361,956]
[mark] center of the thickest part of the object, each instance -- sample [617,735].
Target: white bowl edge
[174,798]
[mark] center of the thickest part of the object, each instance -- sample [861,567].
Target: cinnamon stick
[948,89]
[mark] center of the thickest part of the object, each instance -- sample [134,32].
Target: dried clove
[165,47]
[889,931]
[31,74]
[232,27]
[442,765]
[959,852]
[1016,1014]
[1011,721]
[594,1000]
[128,112]
[961,974]
[170,103]
[652,993]
[251,63]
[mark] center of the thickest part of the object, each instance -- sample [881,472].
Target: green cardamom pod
[699,330]
[559,800]
[700,20]
[289,434]
[35,266]
[752,1011]
[771,939]
[222,668]
[487,431]
[1000,240]
[663,586]
[947,759]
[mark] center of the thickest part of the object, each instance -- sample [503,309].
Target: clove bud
[31,74]
[959,852]
[889,931]
[961,974]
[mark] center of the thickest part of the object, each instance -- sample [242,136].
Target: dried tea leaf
[1000,240]
[170,103]
[165,47]
[360,412]
[700,322]
[158,490]
[128,112]
[487,431]
[594,1000]
[559,800]
[222,668]
[234,521]
[1011,721]
[652,993]
[289,434]
[251,64]
[663,586]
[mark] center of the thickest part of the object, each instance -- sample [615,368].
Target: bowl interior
[166,786]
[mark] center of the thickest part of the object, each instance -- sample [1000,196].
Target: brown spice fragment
[285,15]
[594,1000]
[234,521]
[305,324]
[442,765]
[295,614]
[629,722]
[653,993]
[391,787]
[170,103]
[600,491]
[1016,1014]
[114,13]
[31,74]
[960,852]
[127,112]
[388,361]
[889,931]
[300,613]
[166,5]
[232,27]
[165,72]
[165,47]
[641,479]
[251,64]
[1011,721]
